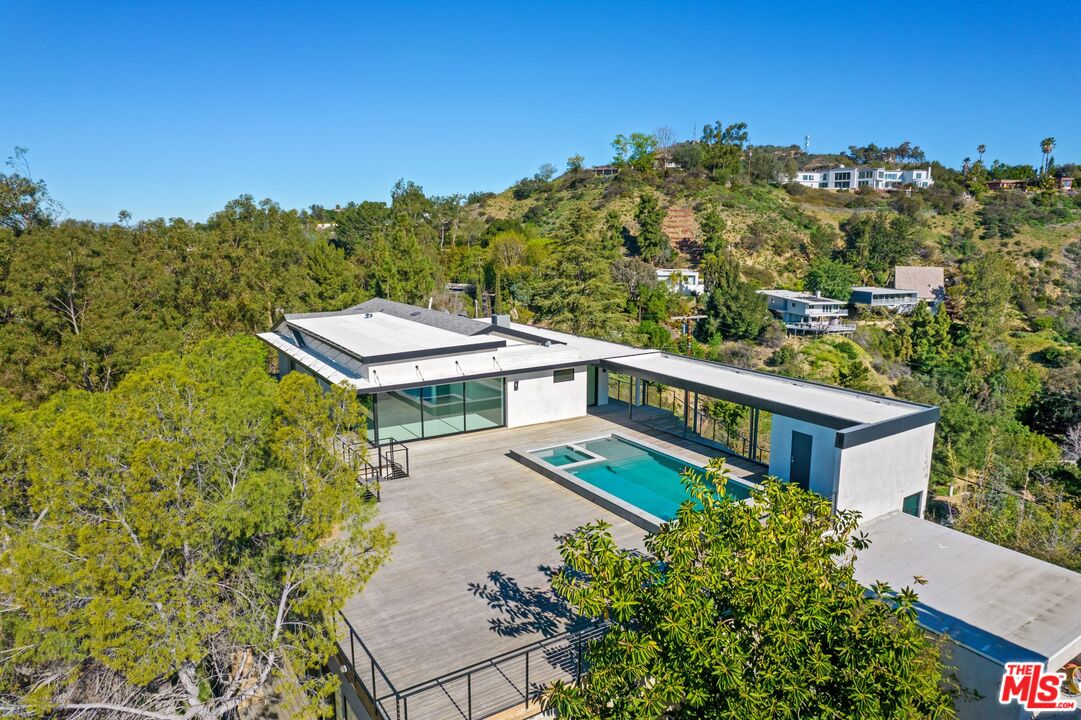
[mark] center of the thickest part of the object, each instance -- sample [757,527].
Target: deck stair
[373,463]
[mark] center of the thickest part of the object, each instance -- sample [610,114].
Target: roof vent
[501,320]
[367,315]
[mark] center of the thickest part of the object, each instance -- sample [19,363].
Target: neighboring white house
[682,280]
[853,178]
[803,312]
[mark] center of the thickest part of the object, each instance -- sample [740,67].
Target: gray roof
[1008,606]
[433,318]
[928,281]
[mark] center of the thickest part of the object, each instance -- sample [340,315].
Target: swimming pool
[635,474]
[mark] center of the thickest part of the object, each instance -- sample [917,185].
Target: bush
[781,356]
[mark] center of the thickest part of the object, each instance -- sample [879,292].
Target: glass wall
[483,404]
[415,413]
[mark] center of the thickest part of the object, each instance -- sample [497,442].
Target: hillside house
[808,313]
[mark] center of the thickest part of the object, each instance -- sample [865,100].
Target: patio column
[686,408]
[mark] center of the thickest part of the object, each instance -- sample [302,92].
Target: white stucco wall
[538,398]
[979,673]
[823,453]
[875,477]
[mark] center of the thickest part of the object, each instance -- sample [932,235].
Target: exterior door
[591,385]
[799,471]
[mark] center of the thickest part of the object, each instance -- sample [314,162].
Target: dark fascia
[520,334]
[405,355]
[869,432]
[777,408]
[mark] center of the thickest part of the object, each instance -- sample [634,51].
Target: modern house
[682,280]
[808,313]
[929,282]
[853,178]
[512,434]
[887,298]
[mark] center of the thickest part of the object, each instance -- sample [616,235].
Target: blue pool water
[645,478]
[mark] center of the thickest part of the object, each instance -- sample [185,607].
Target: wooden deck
[476,544]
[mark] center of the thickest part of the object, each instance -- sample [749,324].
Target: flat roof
[377,336]
[870,288]
[801,296]
[832,406]
[999,602]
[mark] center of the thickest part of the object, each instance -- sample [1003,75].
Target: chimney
[818,293]
[501,320]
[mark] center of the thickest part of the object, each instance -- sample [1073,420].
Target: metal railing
[477,691]
[373,464]
[700,423]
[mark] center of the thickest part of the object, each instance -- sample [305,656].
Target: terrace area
[469,577]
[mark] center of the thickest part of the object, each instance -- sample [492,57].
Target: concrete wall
[983,675]
[823,452]
[875,477]
[538,398]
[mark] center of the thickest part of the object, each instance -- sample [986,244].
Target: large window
[415,413]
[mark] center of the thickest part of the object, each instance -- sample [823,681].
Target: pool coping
[631,513]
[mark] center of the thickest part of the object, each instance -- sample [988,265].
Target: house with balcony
[866,297]
[805,313]
[845,177]
[485,439]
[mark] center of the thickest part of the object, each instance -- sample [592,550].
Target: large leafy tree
[733,309]
[577,292]
[712,226]
[831,278]
[653,244]
[744,610]
[24,201]
[879,241]
[177,545]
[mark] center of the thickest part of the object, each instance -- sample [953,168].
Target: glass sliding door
[398,415]
[483,404]
[436,410]
[443,409]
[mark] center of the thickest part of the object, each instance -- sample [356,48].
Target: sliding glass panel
[443,409]
[591,385]
[398,415]
[483,404]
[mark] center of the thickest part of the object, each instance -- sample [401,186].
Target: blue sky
[171,109]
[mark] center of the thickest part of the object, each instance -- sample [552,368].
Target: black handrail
[573,638]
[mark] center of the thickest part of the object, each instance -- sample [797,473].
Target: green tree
[183,541]
[653,244]
[831,278]
[930,335]
[639,151]
[712,226]
[24,202]
[576,292]
[982,298]
[730,598]
[401,269]
[733,309]
[1047,146]
[575,162]
[879,241]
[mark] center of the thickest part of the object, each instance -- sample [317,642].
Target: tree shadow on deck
[522,610]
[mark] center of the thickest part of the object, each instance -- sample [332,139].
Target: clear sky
[173,108]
